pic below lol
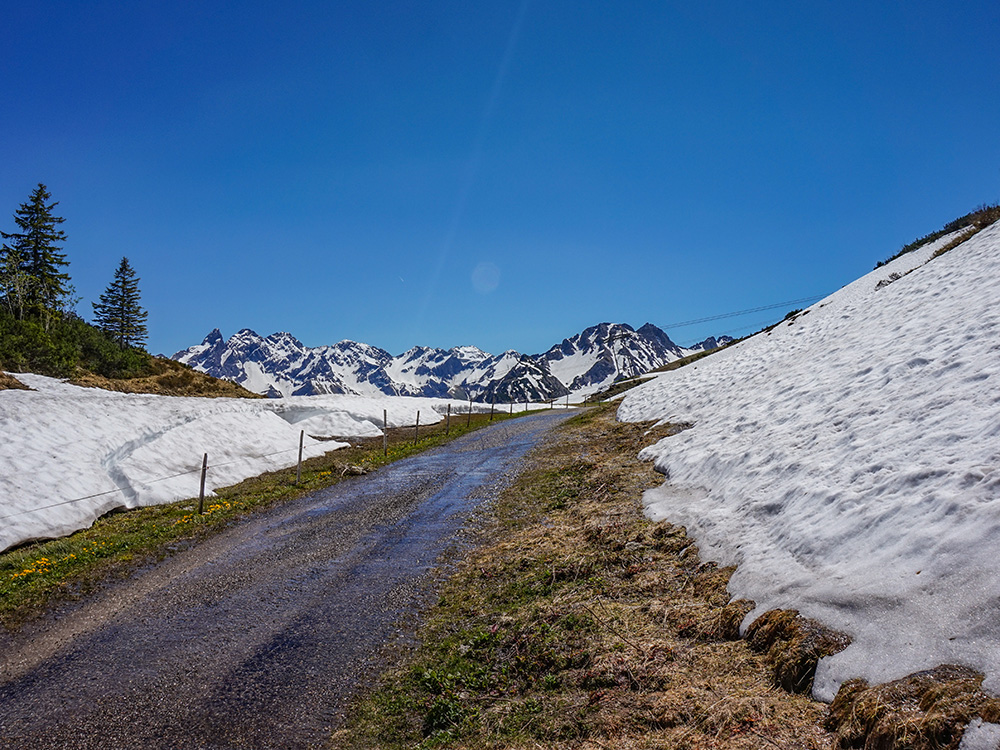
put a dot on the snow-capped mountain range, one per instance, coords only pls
(281, 365)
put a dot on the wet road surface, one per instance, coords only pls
(258, 637)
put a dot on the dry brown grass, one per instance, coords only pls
(168, 378)
(924, 711)
(9, 382)
(983, 217)
(583, 625)
(580, 624)
(794, 645)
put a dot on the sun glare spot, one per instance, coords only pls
(485, 277)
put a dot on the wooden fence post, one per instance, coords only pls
(385, 433)
(416, 430)
(201, 493)
(492, 404)
(447, 424)
(298, 471)
(468, 420)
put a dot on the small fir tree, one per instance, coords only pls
(37, 255)
(118, 313)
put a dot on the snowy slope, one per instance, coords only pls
(433, 372)
(601, 354)
(854, 473)
(512, 378)
(71, 454)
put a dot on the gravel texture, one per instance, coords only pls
(259, 636)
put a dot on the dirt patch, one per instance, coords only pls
(579, 623)
(9, 382)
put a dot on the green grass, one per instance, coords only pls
(36, 575)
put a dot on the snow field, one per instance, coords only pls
(849, 462)
(71, 454)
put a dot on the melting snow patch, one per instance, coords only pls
(981, 736)
(849, 461)
(71, 454)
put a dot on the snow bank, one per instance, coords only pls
(980, 736)
(849, 461)
(71, 454)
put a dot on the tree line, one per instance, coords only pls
(40, 330)
(34, 283)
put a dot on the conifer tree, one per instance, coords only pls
(36, 254)
(118, 313)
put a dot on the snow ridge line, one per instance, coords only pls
(112, 463)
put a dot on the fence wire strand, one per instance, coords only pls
(145, 482)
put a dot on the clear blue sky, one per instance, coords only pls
(342, 169)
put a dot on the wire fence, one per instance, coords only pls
(122, 490)
(156, 480)
(742, 331)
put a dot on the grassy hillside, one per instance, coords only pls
(974, 221)
(167, 378)
(62, 347)
(69, 347)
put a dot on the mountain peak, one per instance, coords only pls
(469, 352)
(588, 361)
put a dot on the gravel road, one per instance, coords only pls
(258, 637)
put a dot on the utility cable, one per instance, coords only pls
(742, 312)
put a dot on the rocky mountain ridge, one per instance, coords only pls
(281, 365)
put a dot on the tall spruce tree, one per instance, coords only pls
(38, 257)
(118, 313)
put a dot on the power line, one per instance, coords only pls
(739, 332)
(743, 312)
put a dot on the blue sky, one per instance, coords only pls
(502, 174)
